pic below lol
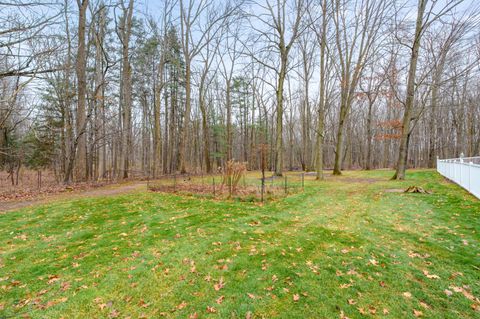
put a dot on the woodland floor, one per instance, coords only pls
(103, 191)
(350, 246)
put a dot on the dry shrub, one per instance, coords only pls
(232, 174)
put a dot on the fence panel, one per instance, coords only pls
(464, 171)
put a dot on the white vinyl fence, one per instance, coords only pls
(464, 171)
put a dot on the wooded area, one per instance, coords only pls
(97, 89)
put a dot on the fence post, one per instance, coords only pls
(286, 191)
(469, 176)
(213, 183)
(174, 183)
(39, 179)
(263, 187)
(303, 182)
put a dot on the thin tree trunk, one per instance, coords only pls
(99, 98)
(279, 122)
(186, 121)
(368, 161)
(127, 92)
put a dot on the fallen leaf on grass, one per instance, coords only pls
(22, 237)
(42, 292)
(407, 294)
(65, 286)
(211, 309)
(417, 313)
(424, 305)
(54, 302)
(114, 313)
(430, 276)
(182, 305)
(296, 297)
(52, 279)
(465, 290)
(455, 275)
(219, 285)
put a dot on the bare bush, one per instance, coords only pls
(232, 174)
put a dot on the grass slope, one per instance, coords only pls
(343, 248)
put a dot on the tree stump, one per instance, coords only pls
(417, 189)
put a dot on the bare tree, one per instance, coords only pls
(124, 33)
(204, 18)
(425, 18)
(321, 36)
(357, 30)
(81, 149)
(286, 31)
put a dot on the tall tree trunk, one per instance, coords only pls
(337, 168)
(205, 130)
(409, 102)
(321, 102)
(279, 122)
(81, 148)
(229, 120)
(68, 125)
(99, 95)
(368, 160)
(166, 136)
(157, 142)
(127, 92)
(186, 121)
(432, 127)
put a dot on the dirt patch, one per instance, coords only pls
(394, 190)
(203, 189)
(110, 190)
(329, 175)
(362, 180)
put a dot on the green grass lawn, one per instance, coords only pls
(344, 248)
